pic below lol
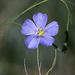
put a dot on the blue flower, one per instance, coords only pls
(38, 31)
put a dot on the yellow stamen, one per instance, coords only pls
(41, 32)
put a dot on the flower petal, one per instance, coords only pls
(32, 41)
(52, 28)
(40, 20)
(28, 28)
(47, 40)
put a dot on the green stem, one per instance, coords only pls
(29, 9)
(70, 2)
(69, 14)
(67, 23)
(53, 64)
(17, 16)
(4, 24)
(16, 23)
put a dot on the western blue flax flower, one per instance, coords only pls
(38, 31)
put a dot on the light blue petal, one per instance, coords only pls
(28, 28)
(52, 28)
(32, 41)
(47, 40)
(40, 20)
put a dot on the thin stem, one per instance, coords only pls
(39, 66)
(29, 9)
(67, 23)
(53, 64)
(70, 2)
(17, 16)
(16, 23)
(25, 67)
(4, 24)
(69, 14)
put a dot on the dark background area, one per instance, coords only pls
(13, 49)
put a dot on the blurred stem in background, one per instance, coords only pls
(69, 20)
(25, 67)
(53, 64)
(70, 2)
(16, 23)
(69, 14)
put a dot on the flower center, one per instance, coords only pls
(40, 33)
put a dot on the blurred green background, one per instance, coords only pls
(13, 49)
